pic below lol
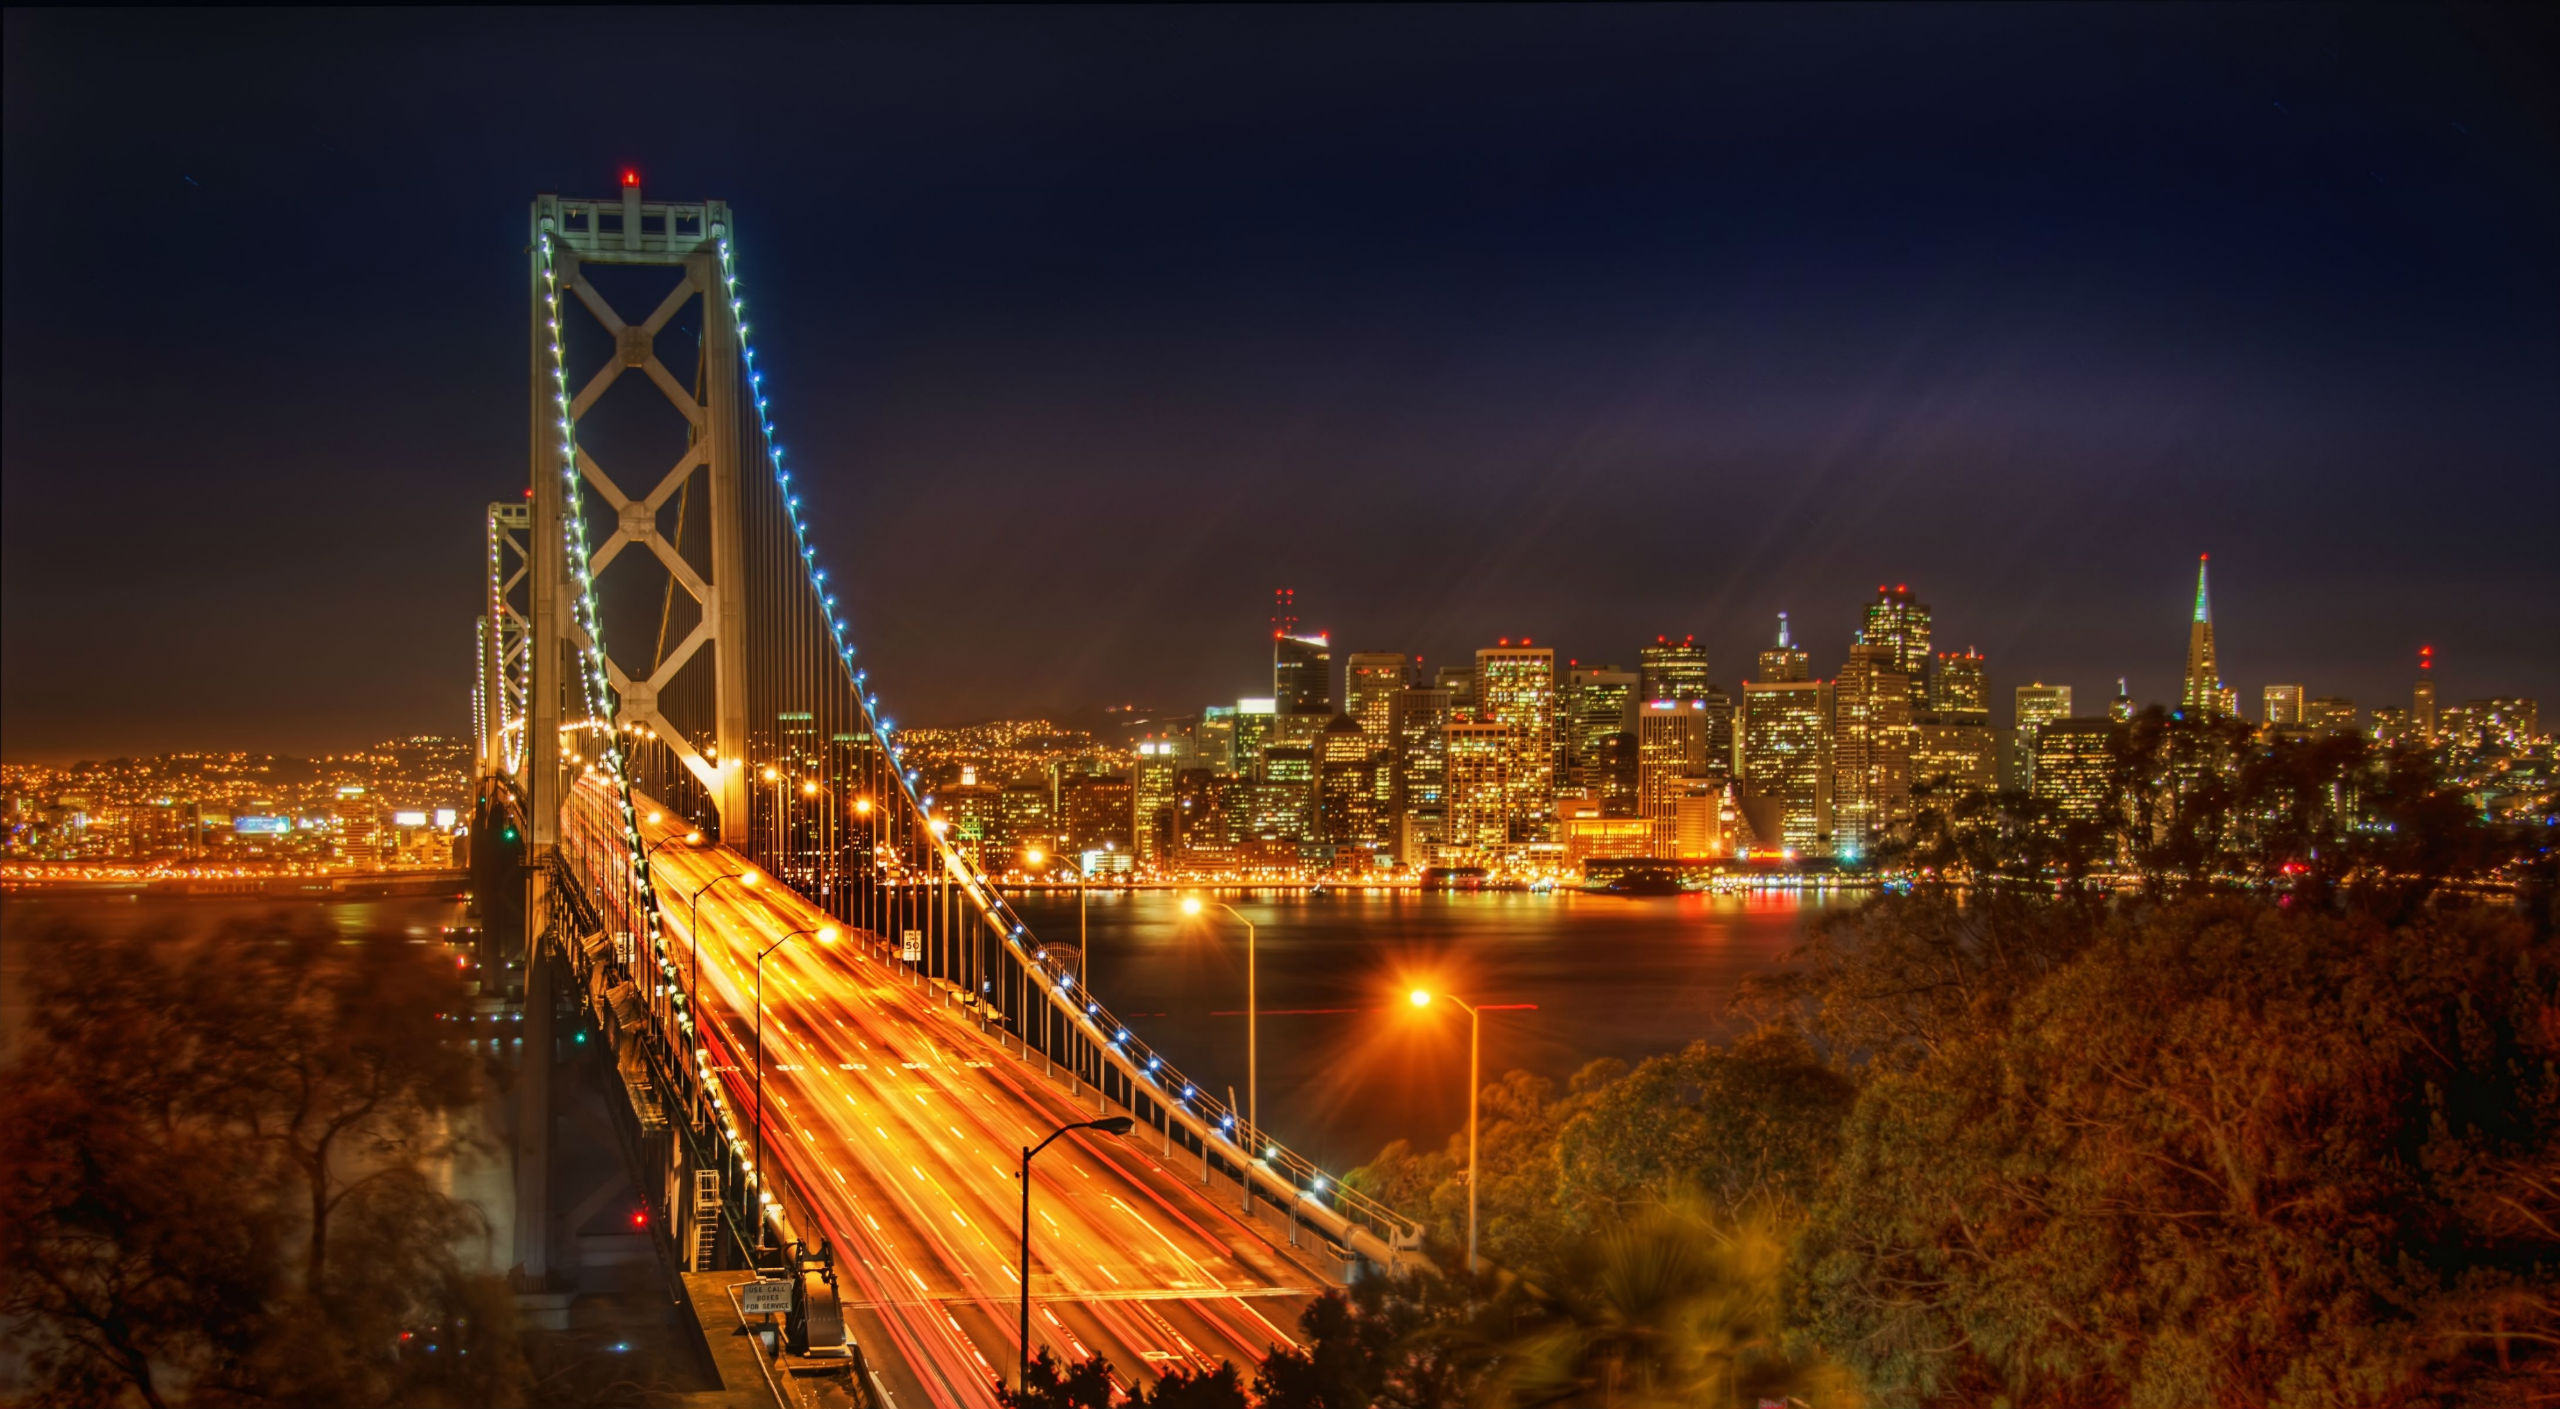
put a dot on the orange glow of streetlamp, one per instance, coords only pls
(809, 789)
(1421, 998)
(862, 805)
(770, 775)
(1190, 905)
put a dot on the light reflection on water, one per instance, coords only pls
(1612, 977)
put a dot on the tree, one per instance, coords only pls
(1750, 1126)
(2228, 1154)
(189, 1123)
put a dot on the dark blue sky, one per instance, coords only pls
(1089, 328)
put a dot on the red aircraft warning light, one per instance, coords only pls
(630, 176)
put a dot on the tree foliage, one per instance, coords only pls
(213, 1150)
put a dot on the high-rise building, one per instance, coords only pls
(1347, 786)
(1901, 625)
(1784, 663)
(2422, 698)
(1154, 803)
(1871, 745)
(1417, 763)
(2120, 709)
(1213, 741)
(2072, 762)
(1301, 674)
(1703, 820)
(1599, 707)
(1252, 734)
(1028, 811)
(1671, 743)
(1724, 741)
(1674, 670)
(1477, 791)
(1961, 684)
(1460, 682)
(1516, 687)
(2329, 714)
(2037, 705)
(1370, 679)
(2391, 727)
(1786, 763)
(1952, 748)
(2201, 696)
(2283, 705)
(1097, 812)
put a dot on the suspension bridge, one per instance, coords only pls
(834, 1033)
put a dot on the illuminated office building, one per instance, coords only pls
(1253, 731)
(1516, 688)
(1301, 675)
(1097, 812)
(1671, 744)
(1153, 825)
(1901, 625)
(1417, 762)
(1600, 707)
(1961, 684)
(1477, 790)
(1871, 745)
(1214, 740)
(2073, 760)
(1674, 670)
(1460, 682)
(1724, 740)
(2391, 727)
(2201, 695)
(1786, 763)
(1369, 680)
(1703, 820)
(2120, 709)
(2283, 706)
(1784, 663)
(2037, 705)
(2329, 714)
(1347, 813)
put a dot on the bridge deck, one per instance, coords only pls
(902, 1125)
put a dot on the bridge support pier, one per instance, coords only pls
(533, 1095)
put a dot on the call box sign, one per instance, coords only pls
(764, 1298)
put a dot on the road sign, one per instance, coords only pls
(760, 1297)
(911, 945)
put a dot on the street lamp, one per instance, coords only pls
(826, 935)
(1034, 857)
(1252, 1030)
(693, 934)
(1108, 1125)
(1475, 1092)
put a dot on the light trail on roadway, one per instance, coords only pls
(899, 1126)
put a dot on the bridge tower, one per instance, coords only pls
(644, 464)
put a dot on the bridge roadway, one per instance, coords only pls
(902, 1125)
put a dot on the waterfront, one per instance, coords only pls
(1347, 1063)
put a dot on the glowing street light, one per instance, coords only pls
(1475, 1089)
(826, 935)
(1191, 905)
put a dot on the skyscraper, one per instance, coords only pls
(1370, 679)
(1962, 683)
(1346, 786)
(1897, 622)
(2037, 705)
(1416, 763)
(2073, 758)
(1460, 682)
(2201, 694)
(1674, 670)
(1783, 662)
(1152, 797)
(1599, 708)
(1516, 687)
(1871, 739)
(1476, 824)
(1671, 742)
(1301, 674)
(1786, 762)
(2283, 705)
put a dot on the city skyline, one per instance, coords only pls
(1588, 328)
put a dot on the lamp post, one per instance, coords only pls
(1108, 1125)
(650, 852)
(826, 935)
(1252, 1027)
(1475, 1096)
(693, 934)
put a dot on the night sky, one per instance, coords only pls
(1087, 329)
